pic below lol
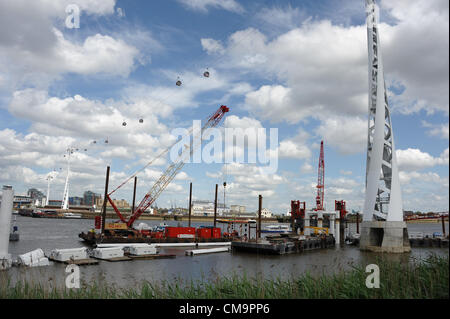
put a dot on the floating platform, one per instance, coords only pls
(193, 252)
(113, 259)
(429, 242)
(79, 262)
(284, 244)
(417, 242)
(149, 257)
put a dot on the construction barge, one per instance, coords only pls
(284, 244)
(93, 239)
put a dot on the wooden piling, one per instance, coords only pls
(357, 223)
(443, 225)
(190, 204)
(105, 200)
(215, 207)
(259, 217)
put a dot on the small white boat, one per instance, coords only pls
(276, 229)
(72, 215)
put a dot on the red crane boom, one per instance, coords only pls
(170, 172)
(320, 180)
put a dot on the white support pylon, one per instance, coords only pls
(383, 228)
(50, 177)
(383, 200)
(65, 202)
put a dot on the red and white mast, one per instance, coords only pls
(320, 180)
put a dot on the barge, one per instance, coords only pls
(284, 244)
(169, 235)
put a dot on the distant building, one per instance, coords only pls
(120, 203)
(90, 198)
(37, 196)
(55, 202)
(75, 201)
(265, 213)
(237, 209)
(22, 200)
(206, 208)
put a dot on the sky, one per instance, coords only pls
(297, 66)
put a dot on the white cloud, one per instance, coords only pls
(37, 49)
(319, 69)
(295, 147)
(347, 134)
(203, 5)
(97, 54)
(233, 121)
(281, 18)
(415, 52)
(439, 130)
(307, 168)
(212, 46)
(413, 159)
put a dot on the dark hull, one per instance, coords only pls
(93, 239)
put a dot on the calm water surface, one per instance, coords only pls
(49, 234)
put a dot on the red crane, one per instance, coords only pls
(320, 180)
(169, 174)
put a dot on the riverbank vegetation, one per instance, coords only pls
(421, 279)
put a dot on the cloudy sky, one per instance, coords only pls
(299, 66)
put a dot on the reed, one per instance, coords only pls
(421, 279)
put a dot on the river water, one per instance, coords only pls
(49, 234)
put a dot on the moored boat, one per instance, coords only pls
(276, 229)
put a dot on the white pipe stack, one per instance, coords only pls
(5, 225)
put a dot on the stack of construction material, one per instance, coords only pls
(34, 258)
(107, 253)
(69, 254)
(140, 250)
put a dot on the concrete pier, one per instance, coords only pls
(384, 236)
(5, 226)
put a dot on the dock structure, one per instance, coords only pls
(78, 262)
(193, 252)
(284, 244)
(153, 256)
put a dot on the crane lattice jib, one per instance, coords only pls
(174, 168)
(321, 180)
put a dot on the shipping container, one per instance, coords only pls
(180, 232)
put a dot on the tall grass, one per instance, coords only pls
(422, 279)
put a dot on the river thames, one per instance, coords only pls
(49, 234)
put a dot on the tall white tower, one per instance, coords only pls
(65, 202)
(383, 228)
